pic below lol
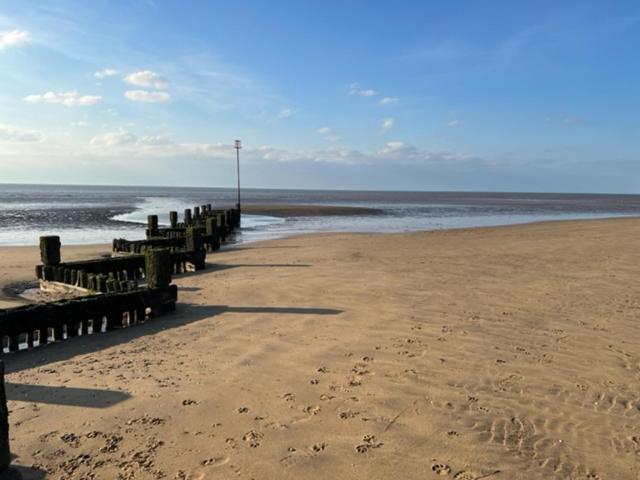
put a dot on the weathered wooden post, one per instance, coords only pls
(50, 250)
(5, 455)
(152, 225)
(187, 217)
(196, 215)
(193, 240)
(158, 267)
(173, 219)
(212, 231)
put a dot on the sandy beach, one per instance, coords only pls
(498, 353)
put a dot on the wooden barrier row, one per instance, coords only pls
(114, 274)
(32, 325)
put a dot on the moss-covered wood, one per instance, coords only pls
(50, 249)
(158, 267)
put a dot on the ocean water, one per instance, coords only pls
(90, 214)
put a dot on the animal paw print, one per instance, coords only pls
(253, 438)
(370, 441)
(441, 469)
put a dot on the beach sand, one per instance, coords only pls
(499, 353)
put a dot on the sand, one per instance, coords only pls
(499, 353)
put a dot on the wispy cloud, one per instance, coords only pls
(354, 89)
(285, 113)
(144, 96)
(328, 134)
(106, 72)
(146, 78)
(453, 123)
(68, 99)
(13, 38)
(9, 133)
(388, 100)
(387, 124)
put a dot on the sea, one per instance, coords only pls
(97, 214)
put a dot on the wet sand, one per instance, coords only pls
(307, 210)
(499, 353)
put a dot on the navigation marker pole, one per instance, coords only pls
(238, 146)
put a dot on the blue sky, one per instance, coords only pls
(512, 96)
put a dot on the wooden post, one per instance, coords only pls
(173, 219)
(187, 217)
(193, 241)
(211, 226)
(158, 267)
(196, 215)
(212, 230)
(50, 250)
(152, 225)
(5, 455)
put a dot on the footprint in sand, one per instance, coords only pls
(465, 475)
(298, 457)
(253, 438)
(441, 469)
(370, 441)
(214, 461)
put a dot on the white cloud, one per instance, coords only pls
(9, 133)
(453, 123)
(68, 99)
(114, 139)
(146, 78)
(387, 123)
(355, 90)
(105, 72)
(13, 38)
(80, 123)
(404, 153)
(388, 100)
(328, 134)
(145, 96)
(285, 113)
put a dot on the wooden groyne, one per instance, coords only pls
(212, 226)
(116, 274)
(29, 326)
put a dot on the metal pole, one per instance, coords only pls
(238, 168)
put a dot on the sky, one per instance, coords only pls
(425, 95)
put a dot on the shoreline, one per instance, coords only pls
(303, 210)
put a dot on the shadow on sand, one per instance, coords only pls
(186, 314)
(62, 395)
(19, 472)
